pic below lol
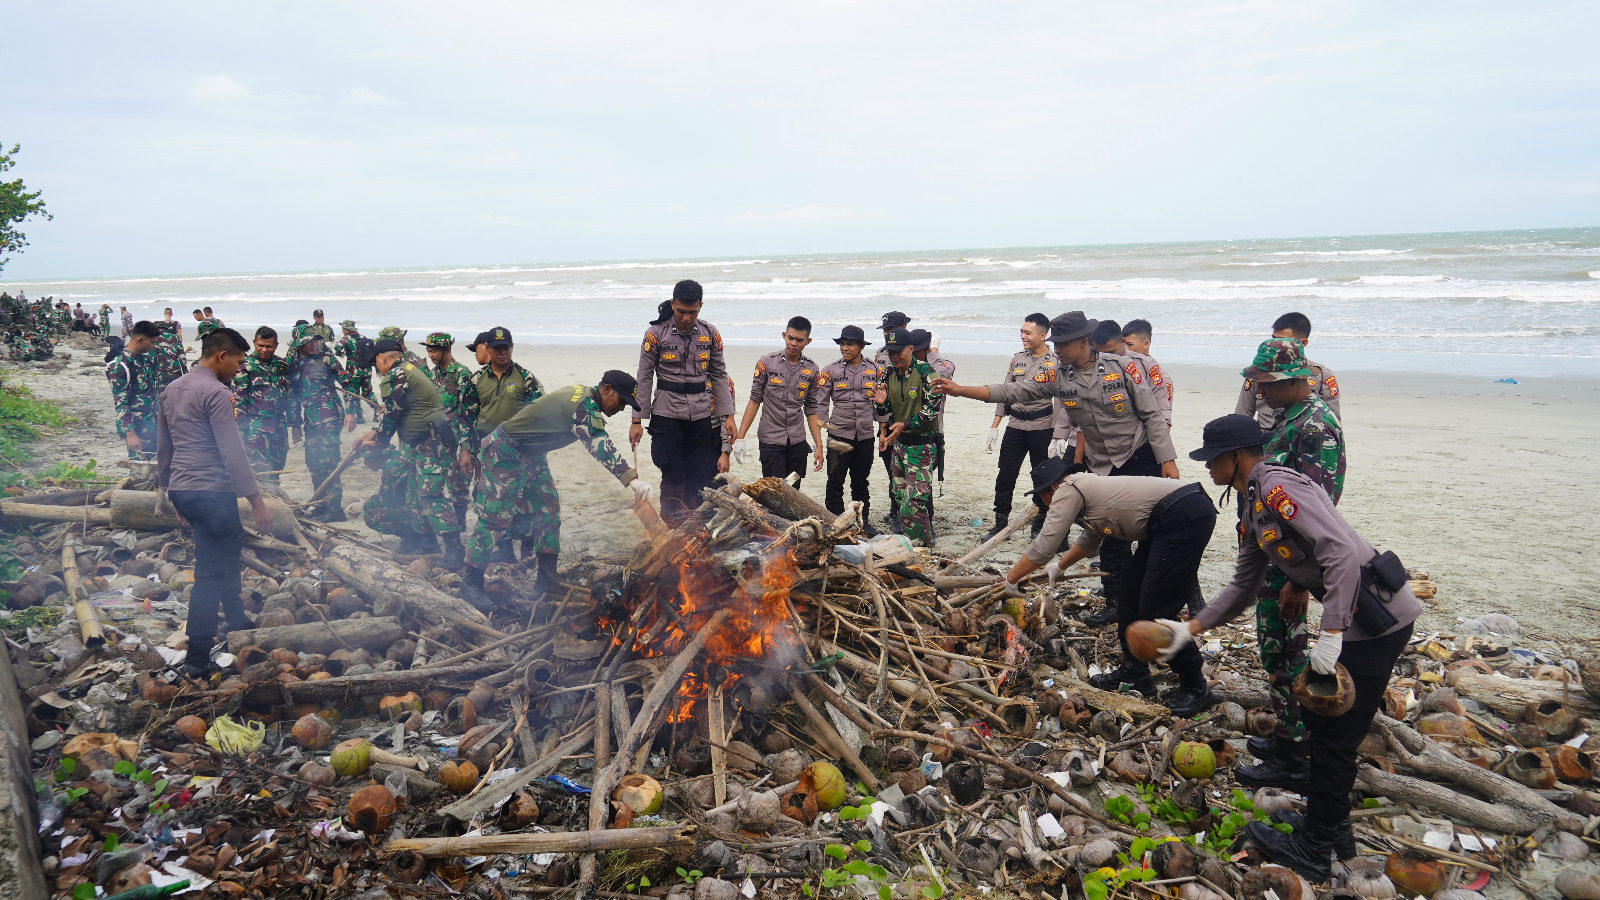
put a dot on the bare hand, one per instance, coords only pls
(134, 443)
(1293, 601)
(349, 422)
(261, 516)
(732, 429)
(1169, 469)
(635, 434)
(946, 386)
(722, 464)
(295, 434)
(880, 394)
(817, 460)
(464, 460)
(890, 435)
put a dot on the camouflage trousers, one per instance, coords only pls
(359, 382)
(411, 494)
(266, 444)
(460, 485)
(144, 425)
(514, 488)
(911, 487)
(1283, 644)
(323, 452)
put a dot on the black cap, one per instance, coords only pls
(623, 384)
(316, 312)
(688, 292)
(895, 319)
(497, 337)
(1233, 432)
(921, 339)
(663, 312)
(1071, 326)
(387, 345)
(897, 338)
(852, 333)
(113, 347)
(483, 337)
(1107, 330)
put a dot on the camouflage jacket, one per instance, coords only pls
(314, 387)
(261, 389)
(459, 397)
(1308, 439)
(910, 399)
(568, 415)
(345, 349)
(133, 389)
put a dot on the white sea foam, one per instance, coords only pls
(1338, 252)
(1401, 279)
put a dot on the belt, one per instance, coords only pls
(1027, 416)
(1166, 503)
(917, 440)
(682, 387)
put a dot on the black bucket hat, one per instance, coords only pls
(921, 339)
(852, 333)
(1234, 432)
(895, 319)
(1071, 326)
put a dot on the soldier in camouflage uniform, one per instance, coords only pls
(905, 397)
(261, 402)
(513, 469)
(105, 320)
(1306, 437)
(129, 369)
(205, 327)
(501, 389)
(317, 407)
(411, 501)
(398, 335)
(357, 377)
(460, 398)
(169, 351)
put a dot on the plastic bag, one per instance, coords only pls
(1492, 623)
(231, 737)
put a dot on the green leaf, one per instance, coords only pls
(1284, 827)
(862, 846)
(806, 889)
(856, 867)
(884, 893)
(110, 844)
(682, 872)
(862, 789)
(1095, 890)
(142, 776)
(877, 873)
(933, 891)
(837, 851)
(1370, 803)
(848, 813)
(83, 891)
(68, 765)
(124, 768)
(159, 788)
(644, 881)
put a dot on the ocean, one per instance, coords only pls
(1492, 304)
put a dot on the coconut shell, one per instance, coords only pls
(1415, 872)
(371, 809)
(274, 618)
(1261, 723)
(1533, 768)
(1129, 767)
(1326, 695)
(1554, 717)
(458, 776)
(1573, 764)
(1147, 639)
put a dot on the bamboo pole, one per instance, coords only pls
(88, 620)
(983, 548)
(343, 464)
(668, 836)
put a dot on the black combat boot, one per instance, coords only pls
(427, 543)
(471, 589)
(527, 548)
(329, 512)
(1037, 526)
(933, 533)
(1000, 523)
(866, 521)
(545, 582)
(1196, 605)
(1344, 839)
(1135, 675)
(197, 662)
(1307, 850)
(1288, 769)
(1262, 748)
(1100, 618)
(503, 553)
(1190, 700)
(892, 520)
(455, 556)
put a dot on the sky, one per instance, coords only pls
(202, 137)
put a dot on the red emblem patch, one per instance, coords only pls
(1133, 372)
(1278, 499)
(1155, 376)
(1046, 376)
(1333, 386)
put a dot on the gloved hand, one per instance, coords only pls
(1325, 652)
(994, 438)
(1013, 589)
(1058, 448)
(738, 451)
(641, 490)
(1053, 571)
(1180, 637)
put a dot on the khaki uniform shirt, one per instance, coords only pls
(1104, 506)
(1110, 402)
(1323, 384)
(693, 358)
(850, 388)
(1025, 366)
(787, 392)
(1160, 384)
(1288, 521)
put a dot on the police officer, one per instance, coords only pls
(1107, 338)
(1288, 520)
(316, 409)
(459, 395)
(681, 358)
(129, 369)
(910, 410)
(784, 390)
(1027, 435)
(1120, 426)
(1308, 439)
(894, 319)
(1172, 523)
(848, 384)
(261, 401)
(1136, 337)
(1295, 326)
(411, 501)
(513, 455)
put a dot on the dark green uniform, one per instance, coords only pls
(495, 399)
(105, 320)
(454, 382)
(169, 347)
(514, 480)
(133, 393)
(357, 377)
(411, 496)
(261, 403)
(318, 406)
(914, 453)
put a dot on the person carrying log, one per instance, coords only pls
(202, 469)
(514, 468)
(411, 501)
(1172, 523)
(316, 409)
(1288, 520)
(131, 371)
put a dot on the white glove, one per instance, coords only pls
(1325, 652)
(994, 437)
(1180, 636)
(1013, 589)
(1058, 448)
(738, 451)
(641, 490)
(1053, 572)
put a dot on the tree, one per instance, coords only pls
(17, 204)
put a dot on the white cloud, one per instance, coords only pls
(810, 214)
(361, 95)
(500, 220)
(217, 89)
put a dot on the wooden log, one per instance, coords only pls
(464, 809)
(137, 510)
(59, 498)
(829, 734)
(862, 666)
(41, 512)
(807, 549)
(88, 620)
(1510, 696)
(1068, 682)
(339, 470)
(322, 637)
(375, 683)
(782, 498)
(394, 591)
(665, 837)
(979, 551)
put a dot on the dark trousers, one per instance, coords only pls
(888, 474)
(857, 463)
(686, 451)
(1164, 573)
(214, 516)
(1116, 554)
(1334, 739)
(783, 460)
(1015, 446)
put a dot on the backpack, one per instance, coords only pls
(366, 352)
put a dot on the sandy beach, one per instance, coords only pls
(1453, 474)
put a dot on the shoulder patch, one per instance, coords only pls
(1133, 372)
(1332, 385)
(1046, 377)
(761, 368)
(1279, 500)
(1155, 375)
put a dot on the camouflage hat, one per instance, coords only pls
(392, 333)
(1278, 359)
(440, 339)
(205, 327)
(348, 323)
(303, 335)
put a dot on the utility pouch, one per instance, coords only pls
(1381, 577)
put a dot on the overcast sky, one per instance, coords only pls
(208, 137)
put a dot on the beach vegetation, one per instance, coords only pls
(17, 205)
(23, 419)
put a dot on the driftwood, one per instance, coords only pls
(385, 682)
(137, 510)
(322, 637)
(466, 808)
(88, 620)
(807, 549)
(780, 497)
(665, 837)
(1510, 808)
(59, 498)
(394, 591)
(830, 735)
(1066, 681)
(1510, 696)
(979, 551)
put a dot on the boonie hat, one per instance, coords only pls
(1071, 326)
(440, 339)
(895, 319)
(497, 337)
(306, 336)
(896, 338)
(921, 339)
(852, 333)
(1278, 359)
(623, 384)
(1234, 432)
(392, 333)
(1052, 470)
(348, 323)
(317, 313)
